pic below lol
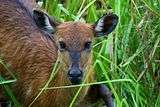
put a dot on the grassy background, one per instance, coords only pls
(131, 52)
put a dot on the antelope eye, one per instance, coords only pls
(87, 45)
(62, 45)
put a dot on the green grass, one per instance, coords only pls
(131, 52)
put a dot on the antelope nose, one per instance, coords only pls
(75, 75)
(74, 72)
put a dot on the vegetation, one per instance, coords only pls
(131, 52)
(129, 58)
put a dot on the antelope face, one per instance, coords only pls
(74, 41)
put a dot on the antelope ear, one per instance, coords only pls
(44, 21)
(106, 24)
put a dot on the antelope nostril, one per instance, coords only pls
(75, 73)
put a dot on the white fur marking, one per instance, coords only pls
(100, 25)
(48, 25)
(29, 91)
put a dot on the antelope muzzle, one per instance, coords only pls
(75, 74)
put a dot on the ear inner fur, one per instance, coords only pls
(106, 24)
(44, 21)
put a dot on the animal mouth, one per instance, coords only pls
(75, 80)
(75, 75)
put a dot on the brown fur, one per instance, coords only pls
(74, 34)
(30, 54)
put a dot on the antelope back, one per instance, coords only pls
(28, 51)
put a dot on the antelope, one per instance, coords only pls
(31, 42)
